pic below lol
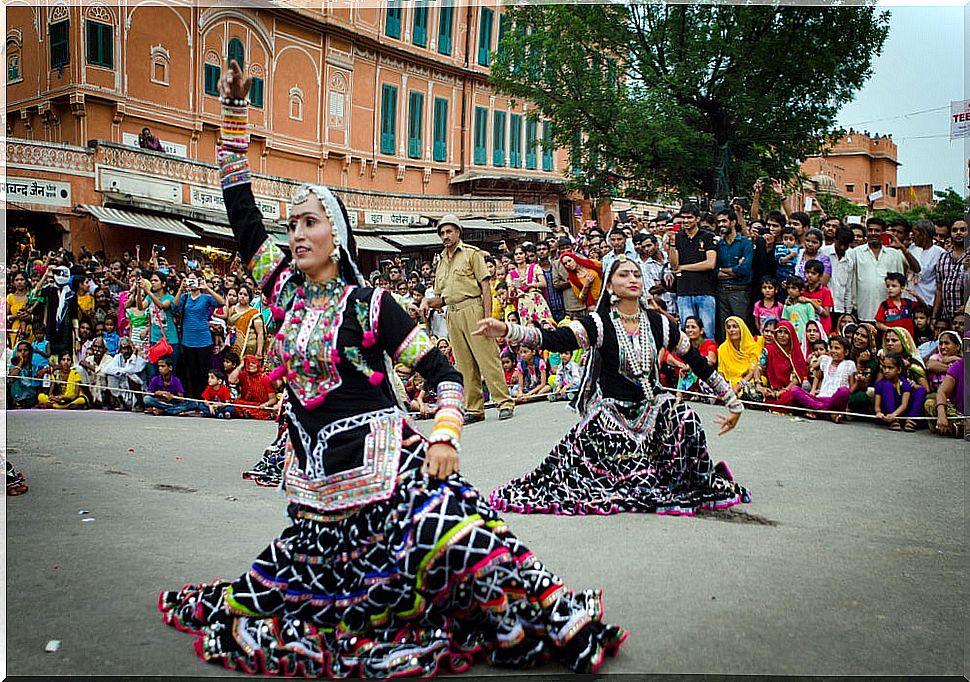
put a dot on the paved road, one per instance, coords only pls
(851, 558)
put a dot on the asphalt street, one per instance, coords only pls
(850, 559)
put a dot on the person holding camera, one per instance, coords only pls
(149, 141)
(196, 302)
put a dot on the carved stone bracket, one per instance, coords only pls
(28, 119)
(401, 170)
(77, 104)
(363, 166)
(120, 112)
(427, 175)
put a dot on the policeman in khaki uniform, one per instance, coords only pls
(462, 283)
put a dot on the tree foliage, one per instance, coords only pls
(949, 206)
(689, 98)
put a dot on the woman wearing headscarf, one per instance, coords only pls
(585, 277)
(865, 354)
(784, 365)
(899, 340)
(635, 448)
(738, 357)
(257, 396)
(393, 564)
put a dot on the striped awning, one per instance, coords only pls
(140, 221)
(366, 242)
(414, 240)
(481, 224)
(212, 229)
(527, 227)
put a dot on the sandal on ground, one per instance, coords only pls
(837, 418)
(810, 415)
(894, 426)
(909, 426)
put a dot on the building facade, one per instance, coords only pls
(860, 165)
(388, 104)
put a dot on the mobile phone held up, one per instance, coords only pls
(886, 240)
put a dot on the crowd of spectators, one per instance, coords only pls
(863, 318)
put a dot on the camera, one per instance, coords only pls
(158, 248)
(191, 282)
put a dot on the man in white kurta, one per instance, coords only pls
(868, 264)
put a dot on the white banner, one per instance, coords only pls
(959, 119)
(389, 218)
(34, 191)
(213, 201)
(529, 210)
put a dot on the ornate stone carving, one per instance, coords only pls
(77, 104)
(427, 175)
(212, 57)
(57, 13)
(47, 156)
(364, 53)
(401, 170)
(100, 13)
(119, 115)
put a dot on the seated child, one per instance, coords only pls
(568, 378)
(532, 376)
(893, 393)
(166, 393)
(216, 392)
(511, 373)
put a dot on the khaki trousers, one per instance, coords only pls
(476, 357)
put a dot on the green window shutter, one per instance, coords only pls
(419, 34)
(212, 74)
(60, 44)
(515, 141)
(481, 136)
(577, 152)
(440, 146)
(100, 44)
(392, 23)
(503, 27)
(530, 143)
(445, 20)
(415, 124)
(388, 119)
(546, 146)
(485, 35)
(256, 93)
(238, 52)
(498, 139)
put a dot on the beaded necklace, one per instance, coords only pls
(636, 358)
(307, 341)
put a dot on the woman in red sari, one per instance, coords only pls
(585, 276)
(255, 389)
(783, 365)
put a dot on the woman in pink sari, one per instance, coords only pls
(527, 282)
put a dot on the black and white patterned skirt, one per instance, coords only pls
(426, 580)
(626, 458)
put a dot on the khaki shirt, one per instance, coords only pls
(459, 277)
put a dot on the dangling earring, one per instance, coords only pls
(335, 254)
(614, 299)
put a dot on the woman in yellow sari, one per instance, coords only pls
(248, 324)
(739, 355)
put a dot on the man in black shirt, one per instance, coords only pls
(693, 258)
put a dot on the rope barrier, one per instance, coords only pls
(799, 408)
(676, 392)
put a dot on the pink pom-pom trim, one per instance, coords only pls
(277, 373)
(299, 305)
(335, 356)
(295, 320)
(306, 366)
(277, 312)
(286, 356)
(280, 336)
(314, 403)
(369, 339)
(376, 378)
(291, 375)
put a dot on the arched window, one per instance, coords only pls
(237, 52)
(14, 74)
(296, 104)
(160, 60)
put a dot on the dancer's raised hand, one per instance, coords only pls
(232, 84)
(727, 422)
(492, 328)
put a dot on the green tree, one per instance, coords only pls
(949, 206)
(689, 98)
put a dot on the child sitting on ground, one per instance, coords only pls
(893, 392)
(532, 376)
(216, 392)
(166, 395)
(568, 378)
(511, 373)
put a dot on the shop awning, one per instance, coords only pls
(366, 242)
(212, 229)
(481, 224)
(140, 221)
(527, 227)
(414, 240)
